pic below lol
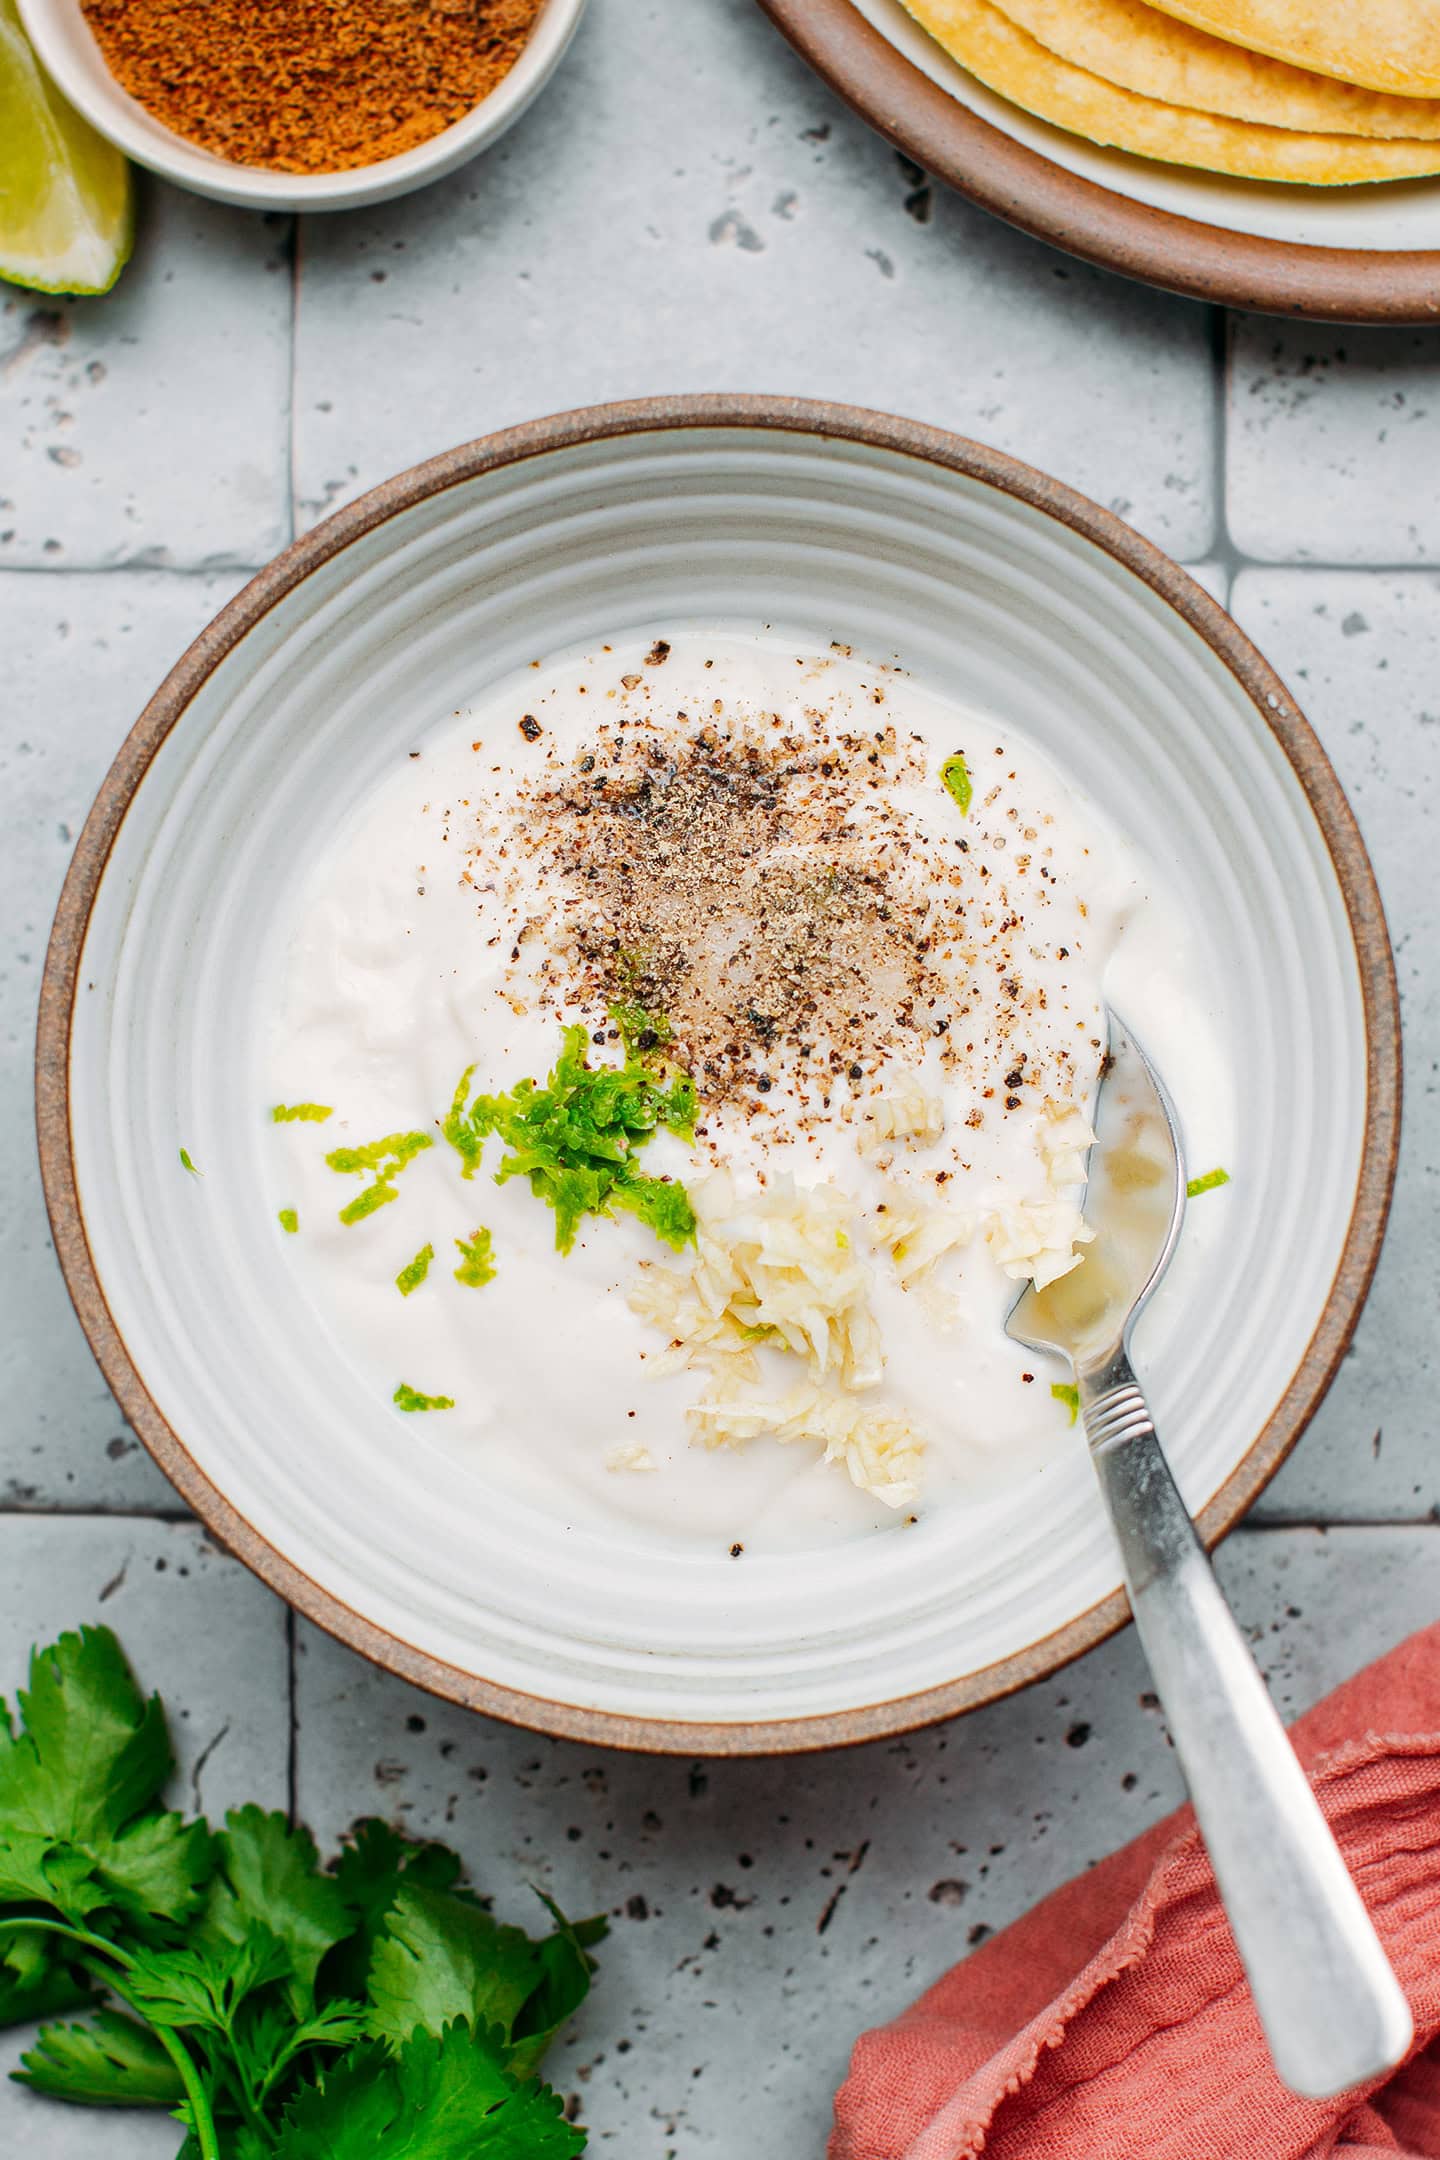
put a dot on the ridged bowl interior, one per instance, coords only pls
(385, 635)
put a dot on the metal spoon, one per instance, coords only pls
(1332, 2009)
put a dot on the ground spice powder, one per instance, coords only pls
(310, 85)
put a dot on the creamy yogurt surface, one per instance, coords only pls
(874, 928)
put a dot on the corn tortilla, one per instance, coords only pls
(1138, 48)
(1007, 59)
(1385, 44)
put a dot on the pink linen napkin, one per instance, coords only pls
(1113, 2021)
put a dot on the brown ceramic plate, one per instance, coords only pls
(1364, 255)
(389, 617)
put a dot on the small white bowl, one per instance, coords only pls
(69, 53)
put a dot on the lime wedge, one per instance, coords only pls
(66, 216)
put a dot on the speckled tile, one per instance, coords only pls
(1333, 443)
(1362, 653)
(152, 425)
(699, 213)
(763, 1913)
(200, 1629)
(81, 655)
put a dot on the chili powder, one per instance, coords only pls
(309, 86)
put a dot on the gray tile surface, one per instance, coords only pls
(1361, 649)
(153, 425)
(1332, 435)
(699, 213)
(678, 214)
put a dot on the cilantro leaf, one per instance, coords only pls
(92, 1755)
(445, 2098)
(204, 1986)
(35, 1979)
(575, 1138)
(268, 1876)
(374, 1862)
(565, 1970)
(108, 2062)
(1210, 1182)
(439, 1957)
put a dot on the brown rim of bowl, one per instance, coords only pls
(1028, 189)
(905, 438)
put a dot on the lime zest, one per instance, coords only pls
(1210, 1182)
(1065, 1391)
(477, 1266)
(467, 1141)
(288, 1220)
(186, 1163)
(303, 1113)
(386, 1159)
(955, 774)
(576, 1138)
(365, 1203)
(635, 1023)
(409, 1398)
(414, 1271)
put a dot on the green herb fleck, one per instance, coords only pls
(1064, 1391)
(304, 1113)
(459, 1129)
(186, 1163)
(956, 775)
(1211, 1180)
(225, 1976)
(386, 1159)
(575, 1138)
(414, 1271)
(476, 1265)
(409, 1398)
(365, 1203)
(289, 1220)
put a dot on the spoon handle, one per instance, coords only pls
(1332, 2009)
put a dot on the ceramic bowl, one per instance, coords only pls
(67, 49)
(274, 727)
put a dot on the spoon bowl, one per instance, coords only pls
(1134, 1204)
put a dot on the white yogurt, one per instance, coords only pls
(404, 969)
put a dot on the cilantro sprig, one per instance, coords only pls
(576, 1137)
(279, 2010)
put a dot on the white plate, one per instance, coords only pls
(1369, 253)
(898, 540)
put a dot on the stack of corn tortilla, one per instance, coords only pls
(1323, 92)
